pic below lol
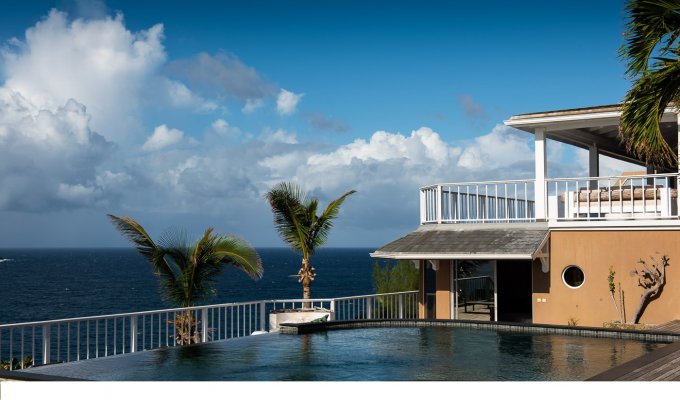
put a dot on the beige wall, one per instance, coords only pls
(594, 252)
(443, 302)
(443, 290)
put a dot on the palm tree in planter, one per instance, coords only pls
(297, 223)
(188, 271)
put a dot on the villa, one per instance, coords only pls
(549, 243)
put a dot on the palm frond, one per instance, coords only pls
(643, 108)
(238, 253)
(650, 23)
(287, 202)
(325, 222)
(653, 29)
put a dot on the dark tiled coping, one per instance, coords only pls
(20, 376)
(650, 336)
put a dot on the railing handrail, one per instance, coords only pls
(594, 178)
(192, 308)
(531, 180)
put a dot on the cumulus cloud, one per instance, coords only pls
(98, 63)
(499, 147)
(163, 137)
(222, 75)
(48, 159)
(287, 102)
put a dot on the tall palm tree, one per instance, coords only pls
(188, 271)
(653, 28)
(297, 224)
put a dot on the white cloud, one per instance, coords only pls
(98, 62)
(287, 102)
(280, 136)
(162, 137)
(252, 105)
(501, 146)
(48, 159)
(180, 96)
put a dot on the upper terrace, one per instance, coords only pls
(646, 197)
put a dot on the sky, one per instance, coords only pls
(184, 114)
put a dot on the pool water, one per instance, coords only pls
(377, 354)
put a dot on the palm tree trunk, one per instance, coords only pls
(306, 278)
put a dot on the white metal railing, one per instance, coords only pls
(639, 197)
(478, 202)
(28, 344)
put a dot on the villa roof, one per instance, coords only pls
(584, 127)
(467, 241)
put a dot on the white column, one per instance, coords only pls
(541, 168)
(593, 164)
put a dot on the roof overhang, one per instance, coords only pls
(584, 127)
(468, 242)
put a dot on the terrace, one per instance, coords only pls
(614, 200)
(647, 198)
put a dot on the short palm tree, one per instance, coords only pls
(188, 271)
(297, 223)
(652, 31)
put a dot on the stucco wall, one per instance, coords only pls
(594, 252)
(443, 310)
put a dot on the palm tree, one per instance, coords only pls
(188, 271)
(653, 28)
(297, 224)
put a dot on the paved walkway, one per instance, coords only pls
(659, 365)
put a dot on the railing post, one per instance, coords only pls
(133, 334)
(369, 308)
(423, 206)
(204, 325)
(333, 309)
(401, 306)
(438, 204)
(263, 320)
(46, 343)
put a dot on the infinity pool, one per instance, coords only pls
(383, 354)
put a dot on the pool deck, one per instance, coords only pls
(660, 365)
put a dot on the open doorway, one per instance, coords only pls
(514, 290)
(473, 285)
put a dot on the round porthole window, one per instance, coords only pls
(573, 276)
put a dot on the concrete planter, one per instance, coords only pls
(297, 316)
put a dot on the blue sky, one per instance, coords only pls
(185, 114)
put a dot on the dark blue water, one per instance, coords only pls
(385, 354)
(41, 284)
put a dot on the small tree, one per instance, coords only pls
(399, 277)
(652, 279)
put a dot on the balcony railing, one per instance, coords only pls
(28, 344)
(632, 197)
(478, 202)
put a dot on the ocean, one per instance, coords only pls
(42, 284)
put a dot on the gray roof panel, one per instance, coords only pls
(437, 241)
